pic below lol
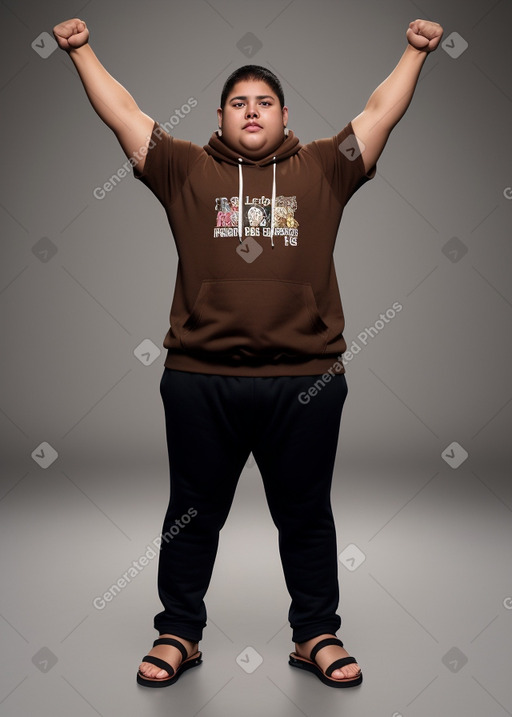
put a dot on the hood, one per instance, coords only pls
(218, 149)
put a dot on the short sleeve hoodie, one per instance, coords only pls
(256, 292)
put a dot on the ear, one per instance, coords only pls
(285, 116)
(219, 117)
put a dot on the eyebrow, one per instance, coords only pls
(258, 97)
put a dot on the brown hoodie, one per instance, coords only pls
(256, 292)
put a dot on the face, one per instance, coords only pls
(255, 216)
(252, 121)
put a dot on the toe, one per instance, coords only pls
(346, 673)
(152, 672)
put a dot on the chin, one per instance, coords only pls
(254, 149)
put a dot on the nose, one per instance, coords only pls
(251, 112)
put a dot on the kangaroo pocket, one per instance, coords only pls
(255, 318)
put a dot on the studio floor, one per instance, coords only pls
(425, 599)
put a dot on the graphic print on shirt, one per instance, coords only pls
(257, 218)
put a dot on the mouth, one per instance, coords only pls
(252, 127)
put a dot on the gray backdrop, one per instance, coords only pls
(422, 492)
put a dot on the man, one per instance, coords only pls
(256, 321)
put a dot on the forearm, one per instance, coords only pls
(108, 97)
(390, 100)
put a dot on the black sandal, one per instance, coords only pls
(312, 666)
(174, 675)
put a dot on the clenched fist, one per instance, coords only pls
(424, 35)
(71, 34)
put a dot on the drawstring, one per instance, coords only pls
(240, 194)
(240, 197)
(273, 201)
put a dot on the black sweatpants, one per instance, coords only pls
(213, 422)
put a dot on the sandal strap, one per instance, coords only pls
(162, 664)
(339, 663)
(324, 643)
(175, 643)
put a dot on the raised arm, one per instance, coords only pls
(111, 101)
(388, 103)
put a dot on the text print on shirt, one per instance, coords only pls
(257, 218)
